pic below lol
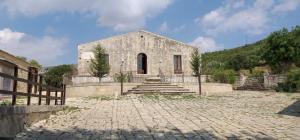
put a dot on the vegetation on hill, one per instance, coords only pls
(280, 52)
(279, 47)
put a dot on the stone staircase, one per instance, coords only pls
(154, 85)
(253, 83)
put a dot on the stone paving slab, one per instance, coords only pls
(242, 115)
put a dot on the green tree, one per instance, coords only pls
(22, 57)
(54, 76)
(196, 66)
(99, 65)
(282, 50)
(121, 77)
(35, 63)
(239, 62)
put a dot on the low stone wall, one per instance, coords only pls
(97, 89)
(13, 119)
(78, 80)
(113, 89)
(209, 88)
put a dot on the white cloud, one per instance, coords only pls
(286, 6)
(206, 44)
(164, 27)
(180, 28)
(234, 16)
(121, 15)
(46, 50)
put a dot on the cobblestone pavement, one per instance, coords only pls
(242, 115)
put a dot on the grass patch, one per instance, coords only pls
(5, 103)
(101, 98)
(71, 109)
(171, 97)
(151, 96)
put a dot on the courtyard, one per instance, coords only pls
(237, 115)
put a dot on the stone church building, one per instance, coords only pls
(142, 54)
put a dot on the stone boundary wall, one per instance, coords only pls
(265, 82)
(79, 80)
(13, 119)
(113, 89)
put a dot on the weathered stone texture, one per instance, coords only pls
(159, 50)
(243, 115)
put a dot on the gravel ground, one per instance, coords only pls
(241, 115)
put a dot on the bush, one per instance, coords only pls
(224, 76)
(256, 73)
(292, 83)
(54, 76)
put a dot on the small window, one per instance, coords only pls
(177, 64)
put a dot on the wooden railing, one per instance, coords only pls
(35, 87)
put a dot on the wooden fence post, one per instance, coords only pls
(48, 96)
(64, 98)
(61, 95)
(40, 89)
(29, 85)
(15, 86)
(55, 96)
(36, 74)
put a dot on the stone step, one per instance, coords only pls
(161, 92)
(158, 86)
(154, 79)
(163, 89)
(154, 85)
(163, 83)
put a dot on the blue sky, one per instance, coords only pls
(50, 30)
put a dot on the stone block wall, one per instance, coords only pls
(159, 50)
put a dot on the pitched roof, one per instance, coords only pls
(141, 31)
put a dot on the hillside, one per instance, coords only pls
(244, 57)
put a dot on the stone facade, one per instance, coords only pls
(160, 53)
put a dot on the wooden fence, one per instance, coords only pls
(35, 87)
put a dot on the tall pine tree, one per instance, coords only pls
(196, 66)
(99, 65)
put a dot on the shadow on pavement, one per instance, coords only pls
(79, 133)
(292, 110)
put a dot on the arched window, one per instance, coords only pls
(142, 63)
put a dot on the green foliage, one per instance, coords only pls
(22, 57)
(244, 57)
(54, 76)
(279, 50)
(224, 76)
(239, 62)
(282, 49)
(196, 62)
(121, 77)
(101, 98)
(292, 83)
(5, 103)
(99, 65)
(35, 63)
(256, 73)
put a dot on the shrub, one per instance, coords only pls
(292, 83)
(257, 73)
(54, 76)
(225, 76)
